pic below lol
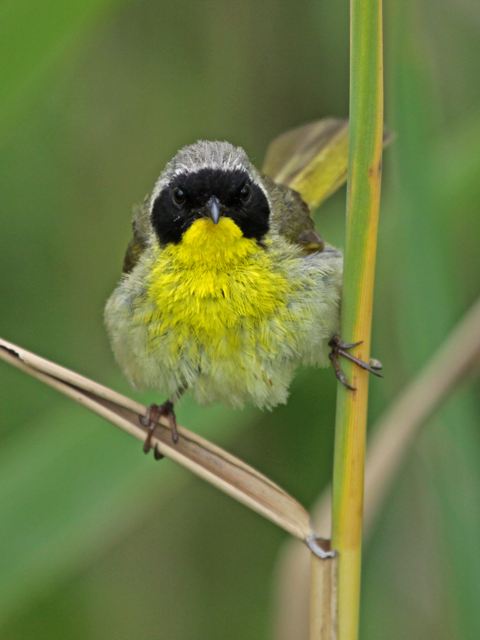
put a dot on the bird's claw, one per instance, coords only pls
(341, 349)
(150, 420)
(376, 365)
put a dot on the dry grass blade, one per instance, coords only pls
(311, 159)
(393, 436)
(216, 466)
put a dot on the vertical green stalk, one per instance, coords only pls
(363, 200)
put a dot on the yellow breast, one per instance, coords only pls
(211, 287)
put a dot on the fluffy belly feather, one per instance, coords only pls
(223, 316)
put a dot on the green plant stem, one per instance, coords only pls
(363, 200)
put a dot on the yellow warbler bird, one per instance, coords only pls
(227, 288)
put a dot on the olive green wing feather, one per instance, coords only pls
(139, 240)
(291, 217)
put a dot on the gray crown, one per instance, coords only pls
(206, 154)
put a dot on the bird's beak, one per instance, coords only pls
(213, 208)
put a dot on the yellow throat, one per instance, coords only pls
(214, 281)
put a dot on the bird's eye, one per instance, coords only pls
(245, 193)
(178, 196)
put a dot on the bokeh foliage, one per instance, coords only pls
(96, 540)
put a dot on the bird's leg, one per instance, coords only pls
(341, 349)
(150, 420)
(341, 377)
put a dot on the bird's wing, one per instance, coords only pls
(139, 240)
(312, 159)
(291, 217)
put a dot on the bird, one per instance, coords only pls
(227, 288)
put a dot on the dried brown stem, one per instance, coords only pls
(213, 464)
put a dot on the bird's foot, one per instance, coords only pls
(342, 349)
(150, 420)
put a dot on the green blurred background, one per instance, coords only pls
(99, 542)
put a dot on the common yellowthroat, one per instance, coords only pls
(227, 288)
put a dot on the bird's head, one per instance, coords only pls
(209, 180)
